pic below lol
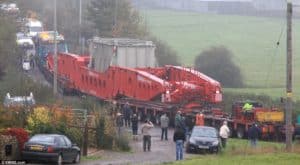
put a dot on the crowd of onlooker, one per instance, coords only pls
(182, 130)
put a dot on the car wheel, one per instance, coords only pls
(188, 150)
(59, 160)
(217, 150)
(77, 158)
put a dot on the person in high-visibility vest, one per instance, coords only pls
(247, 107)
(199, 119)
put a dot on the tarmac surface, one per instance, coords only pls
(161, 151)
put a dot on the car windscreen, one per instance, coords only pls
(27, 46)
(204, 132)
(36, 29)
(42, 139)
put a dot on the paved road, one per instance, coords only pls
(161, 152)
(36, 75)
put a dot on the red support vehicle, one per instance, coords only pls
(269, 120)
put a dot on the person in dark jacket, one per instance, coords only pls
(164, 123)
(253, 134)
(127, 114)
(134, 125)
(178, 120)
(179, 139)
(119, 122)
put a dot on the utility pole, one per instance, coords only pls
(85, 135)
(55, 53)
(80, 22)
(288, 122)
(114, 28)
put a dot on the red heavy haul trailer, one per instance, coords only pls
(125, 70)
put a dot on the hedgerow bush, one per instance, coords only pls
(39, 121)
(20, 133)
(13, 117)
(106, 131)
(54, 120)
(122, 143)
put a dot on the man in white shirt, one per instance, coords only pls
(224, 133)
(145, 128)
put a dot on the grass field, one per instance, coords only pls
(251, 39)
(264, 159)
(239, 152)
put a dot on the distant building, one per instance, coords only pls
(75, 3)
(227, 6)
(296, 4)
(215, 6)
(270, 5)
(18, 101)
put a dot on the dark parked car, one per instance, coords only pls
(50, 148)
(203, 139)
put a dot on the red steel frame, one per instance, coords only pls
(170, 84)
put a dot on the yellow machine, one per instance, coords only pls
(273, 116)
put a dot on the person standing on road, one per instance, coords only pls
(119, 123)
(32, 63)
(164, 123)
(134, 125)
(199, 119)
(145, 128)
(179, 139)
(253, 134)
(184, 126)
(179, 121)
(114, 109)
(127, 114)
(224, 134)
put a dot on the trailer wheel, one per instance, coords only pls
(240, 133)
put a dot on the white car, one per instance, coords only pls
(19, 34)
(33, 26)
(26, 43)
(10, 8)
(3, 6)
(23, 39)
(18, 101)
